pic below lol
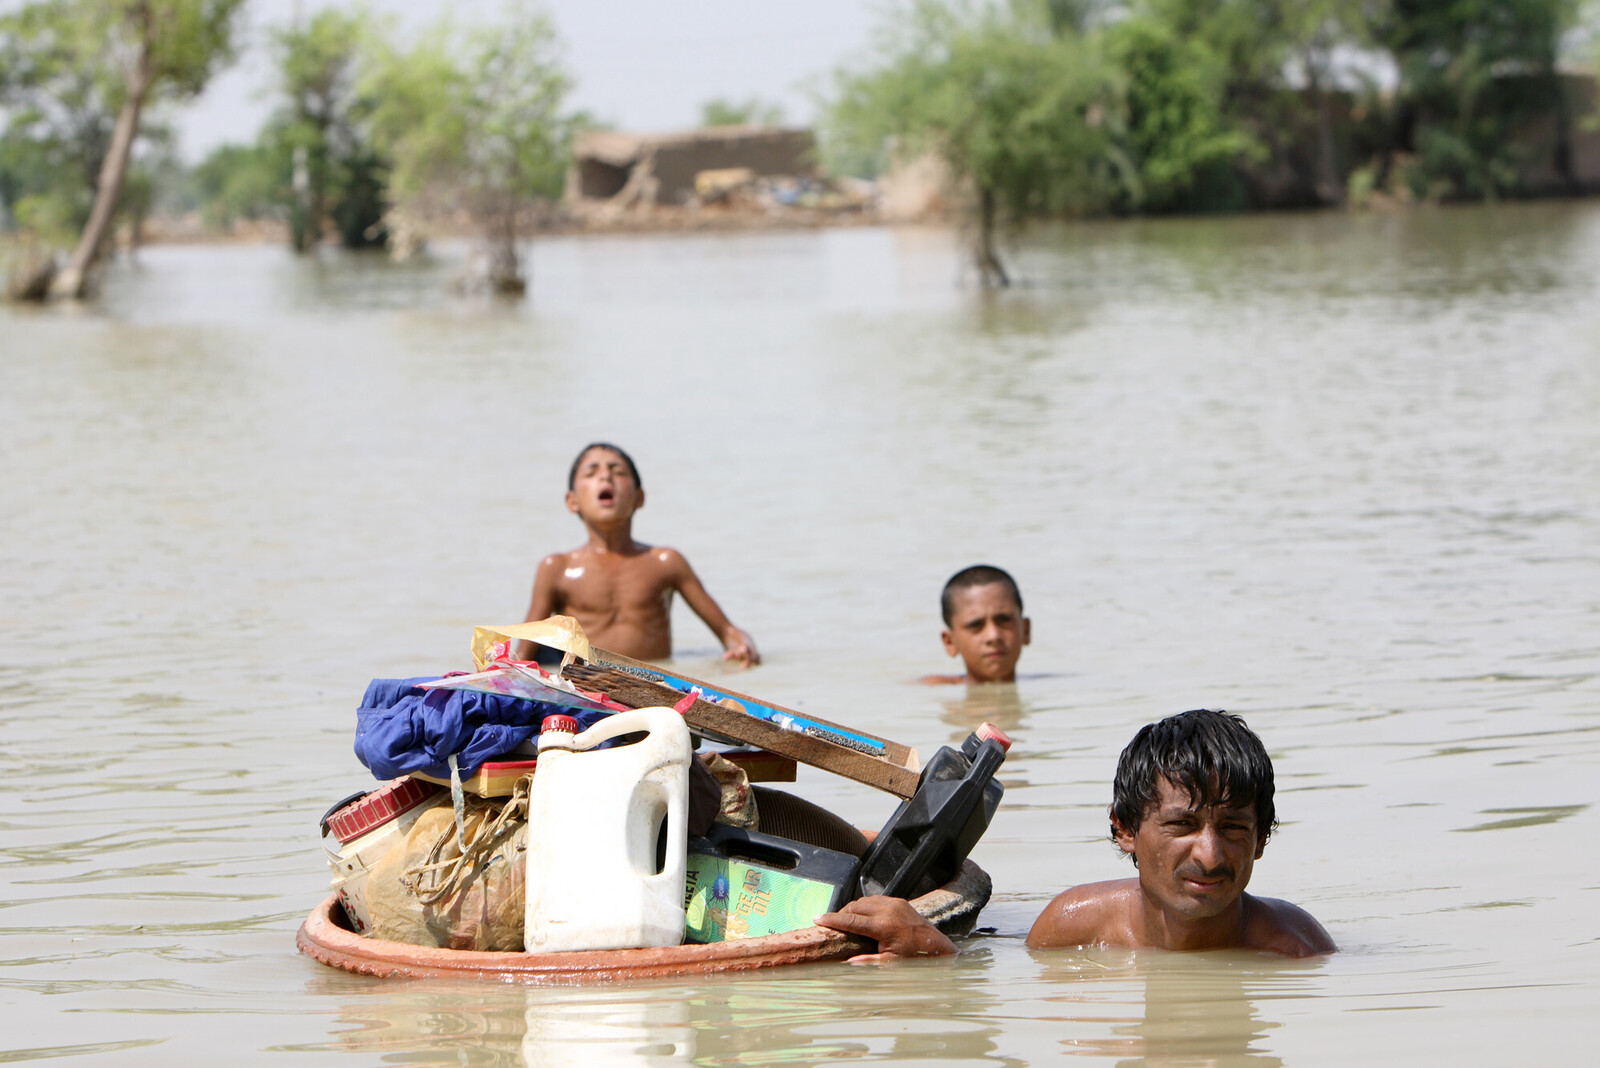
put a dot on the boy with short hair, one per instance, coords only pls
(619, 589)
(984, 625)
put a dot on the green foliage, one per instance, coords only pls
(187, 41)
(753, 111)
(474, 112)
(62, 59)
(320, 131)
(1068, 16)
(473, 118)
(1178, 137)
(1024, 117)
(69, 71)
(1458, 103)
(1243, 42)
(41, 187)
(58, 119)
(240, 182)
(1206, 104)
(360, 198)
(1263, 74)
(53, 218)
(1027, 119)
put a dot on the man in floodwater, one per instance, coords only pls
(1192, 805)
(619, 589)
(983, 624)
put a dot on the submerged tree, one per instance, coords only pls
(57, 127)
(1023, 115)
(123, 55)
(472, 120)
(1472, 73)
(238, 182)
(1178, 135)
(333, 171)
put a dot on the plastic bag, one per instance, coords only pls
(426, 893)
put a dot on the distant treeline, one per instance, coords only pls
(1042, 107)
(1037, 108)
(373, 133)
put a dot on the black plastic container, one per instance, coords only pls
(923, 844)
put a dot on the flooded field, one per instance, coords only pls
(1339, 474)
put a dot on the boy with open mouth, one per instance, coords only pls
(620, 589)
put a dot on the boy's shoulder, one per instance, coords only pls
(557, 562)
(639, 556)
(663, 557)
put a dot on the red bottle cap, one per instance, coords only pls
(989, 732)
(559, 722)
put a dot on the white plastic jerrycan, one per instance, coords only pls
(595, 818)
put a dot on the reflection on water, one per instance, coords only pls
(1338, 473)
(608, 1028)
(1197, 1009)
(808, 1015)
(999, 703)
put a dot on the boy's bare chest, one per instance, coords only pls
(610, 583)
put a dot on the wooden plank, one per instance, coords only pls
(726, 722)
(895, 752)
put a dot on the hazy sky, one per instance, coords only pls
(639, 65)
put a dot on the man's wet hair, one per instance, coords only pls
(976, 575)
(572, 475)
(1210, 754)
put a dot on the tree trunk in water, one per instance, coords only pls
(72, 281)
(991, 273)
(504, 276)
(1327, 185)
(304, 232)
(32, 271)
(1562, 151)
(505, 273)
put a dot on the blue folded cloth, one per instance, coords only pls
(401, 728)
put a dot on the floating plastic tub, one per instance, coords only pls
(327, 938)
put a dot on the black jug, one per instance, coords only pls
(923, 844)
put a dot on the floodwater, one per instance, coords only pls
(1340, 474)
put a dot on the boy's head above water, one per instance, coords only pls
(983, 622)
(572, 475)
(603, 484)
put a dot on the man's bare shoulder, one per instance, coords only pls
(1094, 913)
(1278, 926)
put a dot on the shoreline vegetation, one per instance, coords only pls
(984, 116)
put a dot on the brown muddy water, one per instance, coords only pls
(1338, 474)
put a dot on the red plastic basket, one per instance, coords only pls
(367, 814)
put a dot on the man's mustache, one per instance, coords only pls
(1194, 871)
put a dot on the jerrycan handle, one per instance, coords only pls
(638, 719)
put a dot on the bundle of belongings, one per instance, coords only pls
(514, 777)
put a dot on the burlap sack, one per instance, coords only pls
(485, 911)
